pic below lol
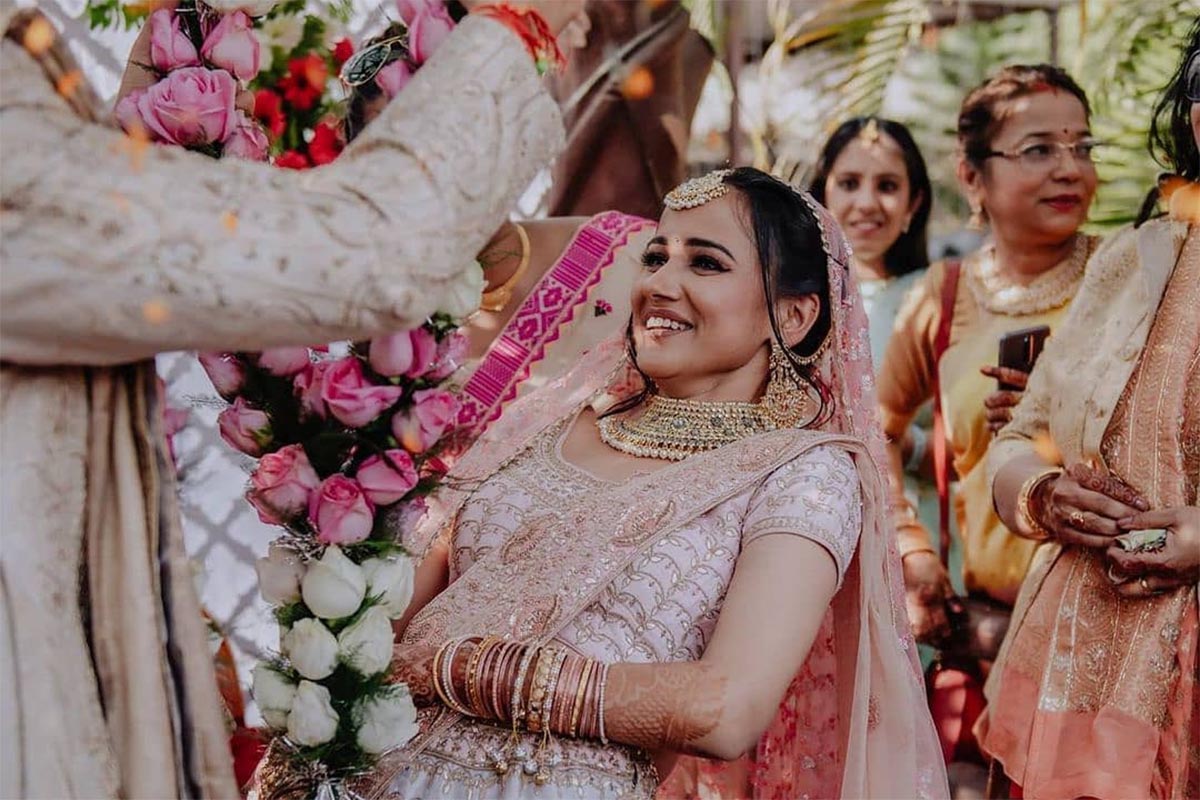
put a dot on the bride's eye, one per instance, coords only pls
(653, 259)
(708, 264)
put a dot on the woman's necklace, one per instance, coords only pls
(673, 429)
(1052, 289)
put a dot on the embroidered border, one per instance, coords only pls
(541, 317)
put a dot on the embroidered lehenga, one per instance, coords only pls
(542, 551)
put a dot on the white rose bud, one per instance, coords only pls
(333, 587)
(367, 644)
(313, 720)
(274, 694)
(279, 575)
(312, 649)
(391, 579)
(388, 722)
(464, 294)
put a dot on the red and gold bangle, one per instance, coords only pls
(534, 31)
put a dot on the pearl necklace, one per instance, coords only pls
(673, 429)
(1052, 289)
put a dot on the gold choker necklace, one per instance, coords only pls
(673, 429)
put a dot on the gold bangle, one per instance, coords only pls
(577, 709)
(1037, 531)
(496, 299)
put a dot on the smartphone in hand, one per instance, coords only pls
(1020, 350)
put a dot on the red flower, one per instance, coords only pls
(305, 82)
(292, 159)
(325, 145)
(268, 109)
(342, 51)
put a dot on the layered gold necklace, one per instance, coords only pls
(673, 429)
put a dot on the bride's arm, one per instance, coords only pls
(432, 576)
(722, 704)
(718, 706)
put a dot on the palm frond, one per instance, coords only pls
(1130, 53)
(831, 62)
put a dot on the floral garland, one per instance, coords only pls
(347, 448)
(202, 54)
(296, 97)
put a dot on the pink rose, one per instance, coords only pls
(191, 106)
(432, 412)
(127, 114)
(410, 9)
(226, 372)
(307, 386)
(392, 78)
(248, 140)
(385, 480)
(427, 31)
(340, 511)
(245, 428)
(170, 47)
(281, 484)
(451, 353)
(408, 353)
(284, 361)
(232, 45)
(351, 398)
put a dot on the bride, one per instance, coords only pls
(680, 547)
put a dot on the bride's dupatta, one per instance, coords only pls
(873, 715)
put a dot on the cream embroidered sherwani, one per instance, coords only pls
(112, 252)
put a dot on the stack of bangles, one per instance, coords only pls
(533, 30)
(543, 689)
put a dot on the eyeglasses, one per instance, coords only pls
(1191, 78)
(1044, 155)
(363, 66)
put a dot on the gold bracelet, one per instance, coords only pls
(1037, 531)
(496, 299)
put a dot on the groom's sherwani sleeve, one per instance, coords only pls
(114, 249)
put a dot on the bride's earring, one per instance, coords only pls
(786, 401)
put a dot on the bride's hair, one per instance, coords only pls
(791, 253)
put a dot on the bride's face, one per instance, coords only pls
(699, 313)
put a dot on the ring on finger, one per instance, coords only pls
(1076, 518)
(1145, 586)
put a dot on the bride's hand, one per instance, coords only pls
(412, 664)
